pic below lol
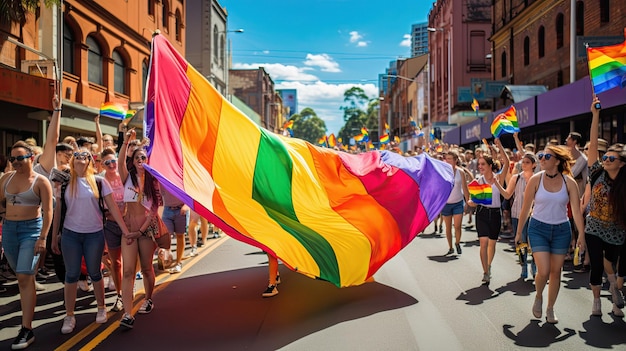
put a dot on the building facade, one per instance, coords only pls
(102, 49)
(206, 45)
(255, 88)
(419, 39)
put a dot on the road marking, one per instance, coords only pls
(161, 282)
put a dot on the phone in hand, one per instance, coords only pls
(35, 261)
(597, 106)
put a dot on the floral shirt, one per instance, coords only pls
(600, 221)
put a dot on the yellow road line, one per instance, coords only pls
(161, 282)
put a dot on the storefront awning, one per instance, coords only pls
(519, 93)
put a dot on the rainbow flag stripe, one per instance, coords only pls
(113, 110)
(327, 214)
(607, 66)
(384, 139)
(332, 140)
(480, 193)
(505, 123)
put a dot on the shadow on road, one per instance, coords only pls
(604, 335)
(476, 296)
(536, 335)
(518, 287)
(225, 311)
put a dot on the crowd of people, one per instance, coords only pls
(88, 206)
(93, 210)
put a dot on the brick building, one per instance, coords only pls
(255, 88)
(102, 48)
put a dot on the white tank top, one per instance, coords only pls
(551, 208)
(457, 191)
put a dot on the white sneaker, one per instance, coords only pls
(101, 316)
(85, 286)
(69, 322)
(176, 269)
(194, 251)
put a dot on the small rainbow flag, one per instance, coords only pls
(288, 124)
(364, 131)
(370, 145)
(396, 139)
(607, 66)
(323, 140)
(113, 110)
(384, 139)
(386, 127)
(505, 123)
(475, 105)
(332, 140)
(480, 193)
(359, 138)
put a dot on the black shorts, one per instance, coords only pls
(488, 222)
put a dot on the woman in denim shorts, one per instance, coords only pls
(549, 230)
(27, 199)
(453, 210)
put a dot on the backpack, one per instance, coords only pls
(64, 206)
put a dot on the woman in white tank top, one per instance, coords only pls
(453, 210)
(549, 231)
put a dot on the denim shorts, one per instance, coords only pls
(18, 242)
(452, 209)
(174, 221)
(552, 238)
(112, 234)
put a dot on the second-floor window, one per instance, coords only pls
(119, 73)
(69, 44)
(94, 59)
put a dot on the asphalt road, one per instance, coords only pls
(420, 300)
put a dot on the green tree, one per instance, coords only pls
(16, 10)
(308, 126)
(354, 115)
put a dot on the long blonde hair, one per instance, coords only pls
(89, 175)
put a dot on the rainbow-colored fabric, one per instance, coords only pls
(327, 214)
(384, 139)
(480, 193)
(113, 110)
(607, 66)
(475, 105)
(332, 140)
(505, 123)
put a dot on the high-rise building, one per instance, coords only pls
(419, 39)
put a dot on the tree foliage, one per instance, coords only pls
(308, 126)
(361, 111)
(16, 10)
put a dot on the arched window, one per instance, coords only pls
(580, 18)
(541, 42)
(559, 30)
(526, 51)
(503, 64)
(151, 7)
(605, 14)
(223, 51)
(69, 44)
(165, 18)
(119, 73)
(179, 26)
(144, 77)
(94, 72)
(214, 44)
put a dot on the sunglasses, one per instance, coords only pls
(142, 157)
(82, 155)
(610, 158)
(109, 162)
(105, 140)
(19, 158)
(547, 156)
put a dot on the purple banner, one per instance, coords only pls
(574, 99)
(471, 132)
(453, 136)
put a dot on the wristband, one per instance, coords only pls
(58, 109)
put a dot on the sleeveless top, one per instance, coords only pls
(131, 194)
(25, 198)
(457, 191)
(495, 193)
(520, 187)
(551, 208)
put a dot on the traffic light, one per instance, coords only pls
(437, 133)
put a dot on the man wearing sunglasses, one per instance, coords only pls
(27, 199)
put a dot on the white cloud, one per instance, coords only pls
(362, 44)
(326, 99)
(323, 61)
(406, 42)
(279, 71)
(355, 36)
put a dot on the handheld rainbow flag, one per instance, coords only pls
(480, 193)
(384, 139)
(505, 123)
(113, 110)
(370, 145)
(327, 214)
(332, 140)
(359, 138)
(288, 124)
(323, 141)
(364, 131)
(475, 105)
(386, 127)
(607, 66)
(396, 139)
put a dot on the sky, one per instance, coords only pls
(322, 48)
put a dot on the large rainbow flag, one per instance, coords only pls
(607, 66)
(327, 214)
